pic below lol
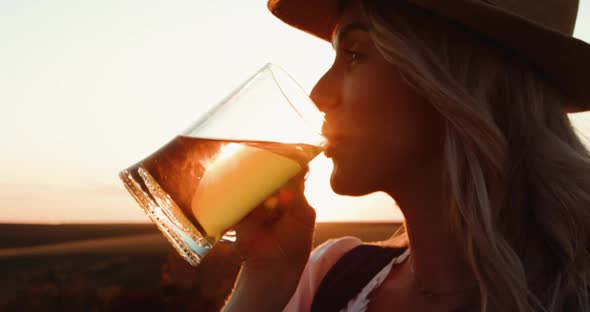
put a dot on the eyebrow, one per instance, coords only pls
(343, 31)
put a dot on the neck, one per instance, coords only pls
(437, 258)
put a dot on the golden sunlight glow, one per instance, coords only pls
(227, 151)
(330, 206)
(122, 89)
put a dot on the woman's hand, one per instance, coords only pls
(274, 242)
(279, 232)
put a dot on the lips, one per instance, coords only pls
(330, 149)
(333, 140)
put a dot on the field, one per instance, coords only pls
(122, 267)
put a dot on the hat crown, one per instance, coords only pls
(559, 15)
(539, 31)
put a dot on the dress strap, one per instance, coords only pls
(350, 274)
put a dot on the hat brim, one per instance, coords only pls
(563, 59)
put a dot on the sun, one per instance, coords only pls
(330, 207)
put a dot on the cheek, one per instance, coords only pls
(364, 167)
(415, 139)
(415, 128)
(394, 134)
(377, 163)
(391, 130)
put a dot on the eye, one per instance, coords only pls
(352, 56)
(352, 53)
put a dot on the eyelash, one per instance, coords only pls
(351, 56)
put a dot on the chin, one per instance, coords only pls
(348, 185)
(349, 191)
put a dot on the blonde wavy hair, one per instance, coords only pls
(518, 175)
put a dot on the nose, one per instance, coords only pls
(325, 94)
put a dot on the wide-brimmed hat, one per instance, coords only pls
(540, 31)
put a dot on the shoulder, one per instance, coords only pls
(326, 255)
(322, 258)
(331, 250)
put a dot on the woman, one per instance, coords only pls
(454, 110)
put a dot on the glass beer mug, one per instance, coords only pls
(205, 180)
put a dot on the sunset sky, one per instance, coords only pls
(88, 88)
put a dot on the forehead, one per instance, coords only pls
(351, 15)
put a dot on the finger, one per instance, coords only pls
(298, 181)
(299, 209)
(251, 222)
(289, 197)
(303, 214)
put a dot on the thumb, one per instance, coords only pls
(292, 199)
